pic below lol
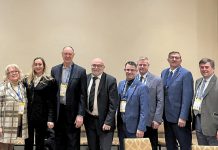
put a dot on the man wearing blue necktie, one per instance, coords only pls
(178, 94)
(205, 103)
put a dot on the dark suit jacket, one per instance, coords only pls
(41, 100)
(76, 94)
(178, 96)
(107, 100)
(209, 111)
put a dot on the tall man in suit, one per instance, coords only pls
(156, 102)
(205, 104)
(178, 94)
(133, 111)
(101, 109)
(71, 99)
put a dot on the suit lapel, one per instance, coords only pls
(198, 82)
(88, 79)
(165, 76)
(148, 79)
(131, 89)
(59, 74)
(121, 88)
(210, 85)
(72, 74)
(103, 77)
(175, 75)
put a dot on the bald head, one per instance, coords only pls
(97, 66)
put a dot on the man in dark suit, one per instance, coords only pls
(133, 111)
(178, 94)
(71, 99)
(205, 104)
(156, 102)
(101, 107)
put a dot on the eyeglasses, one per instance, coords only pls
(13, 72)
(96, 66)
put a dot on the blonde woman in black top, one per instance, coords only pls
(41, 95)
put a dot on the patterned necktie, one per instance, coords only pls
(92, 95)
(141, 78)
(201, 91)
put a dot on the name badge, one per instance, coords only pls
(21, 108)
(63, 89)
(122, 106)
(197, 104)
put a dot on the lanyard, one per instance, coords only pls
(18, 93)
(125, 91)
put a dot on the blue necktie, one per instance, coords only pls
(169, 78)
(201, 91)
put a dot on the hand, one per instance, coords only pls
(50, 125)
(181, 123)
(139, 134)
(155, 124)
(1, 132)
(79, 121)
(216, 135)
(106, 127)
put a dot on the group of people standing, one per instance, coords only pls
(33, 106)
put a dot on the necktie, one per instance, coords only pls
(141, 78)
(128, 83)
(92, 95)
(169, 77)
(201, 91)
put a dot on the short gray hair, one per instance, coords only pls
(12, 66)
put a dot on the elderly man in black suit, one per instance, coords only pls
(71, 99)
(101, 109)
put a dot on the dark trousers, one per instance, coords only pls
(97, 139)
(203, 139)
(39, 130)
(174, 133)
(123, 133)
(153, 137)
(67, 136)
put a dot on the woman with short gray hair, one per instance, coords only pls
(13, 112)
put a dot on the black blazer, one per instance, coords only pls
(107, 100)
(76, 94)
(41, 100)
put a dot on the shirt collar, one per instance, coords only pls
(208, 79)
(98, 77)
(173, 70)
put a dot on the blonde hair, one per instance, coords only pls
(12, 66)
(31, 76)
(143, 59)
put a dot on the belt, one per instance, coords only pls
(93, 116)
